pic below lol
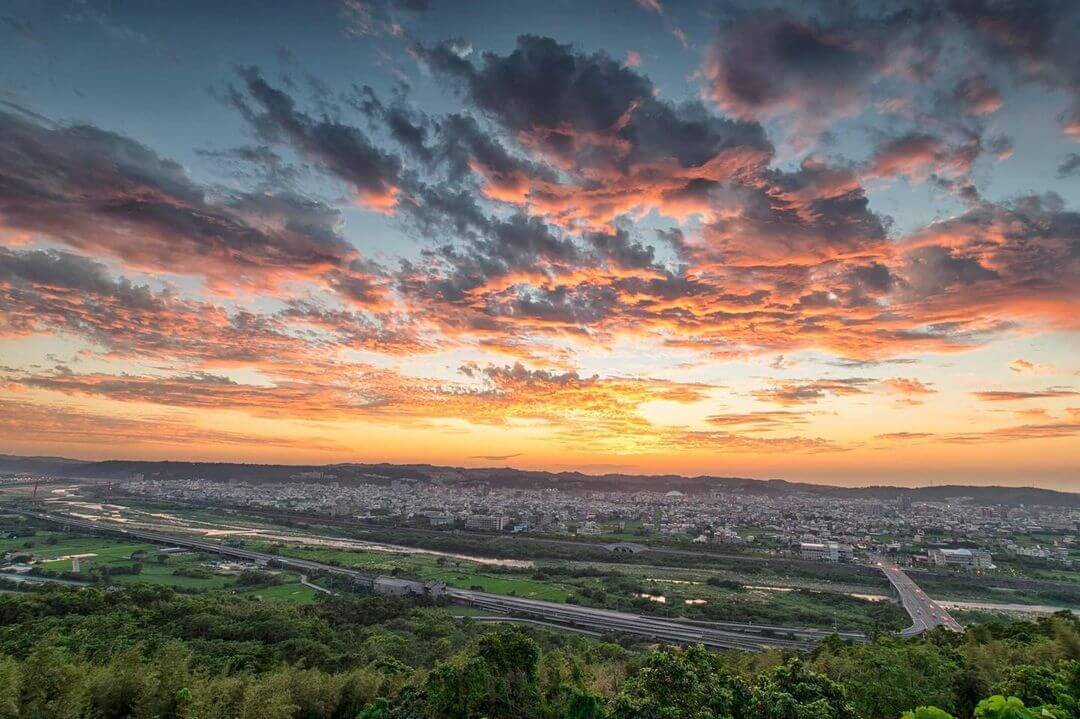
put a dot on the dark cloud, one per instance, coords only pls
(977, 95)
(1021, 256)
(519, 244)
(338, 148)
(255, 162)
(465, 147)
(589, 111)
(774, 62)
(798, 392)
(803, 217)
(1008, 396)
(1070, 166)
(1035, 39)
(407, 126)
(102, 192)
(919, 155)
(618, 248)
(934, 270)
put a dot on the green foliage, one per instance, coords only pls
(892, 675)
(496, 679)
(999, 707)
(927, 713)
(145, 652)
(258, 578)
(791, 691)
(694, 684)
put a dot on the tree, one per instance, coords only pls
(688, 684)
(9, 688)
(56, 691)
(168, 695)
(268, 700)
(999, 707)
(115, 689)
(790, 691)
(564, 688)
(927, 713)
(496, 679)
(890, 675)
(1033, 685)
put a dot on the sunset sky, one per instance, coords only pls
(836, 242)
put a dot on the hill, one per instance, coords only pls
(508, 477)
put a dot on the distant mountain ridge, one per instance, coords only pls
(508, 477)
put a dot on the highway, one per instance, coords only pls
(718, 635)
(925, 613)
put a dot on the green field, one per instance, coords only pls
(508, 584)
(48, 549)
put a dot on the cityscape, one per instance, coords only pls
(817, 528)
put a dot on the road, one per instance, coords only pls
(925, 613)
(307, 583)
(718, 635)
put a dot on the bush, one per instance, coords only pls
(258, 578)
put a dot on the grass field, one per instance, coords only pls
(52, 551)
(504, 584)
(456, 573)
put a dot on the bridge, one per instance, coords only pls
(925, 613)
(717, 635)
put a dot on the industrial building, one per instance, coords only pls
(486, 523)
(826, 551)
(968, 558)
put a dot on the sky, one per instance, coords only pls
(823, 241)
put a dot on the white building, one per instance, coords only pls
(485, 522)
(970, 558)
(826, 551)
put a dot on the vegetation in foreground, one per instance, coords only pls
(142, 651)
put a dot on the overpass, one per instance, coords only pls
(717, 635)
(925, 613)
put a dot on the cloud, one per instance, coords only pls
(1018, 433)
(895, 436)
(977, 95)
(766, 64)
(810, 391)
(103, 193)
(759, 421)
(1009, 396)
(42, 423)
(600, 121)
(50, 291)
(918, 155)
(1015, 259)
(576, 411)
(1034, 40)
(1023, 366)
(907, 386)
(1053, 430)
(1069, 166)
(343, 150)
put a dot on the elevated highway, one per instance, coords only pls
(925, 613)
(718, 635)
